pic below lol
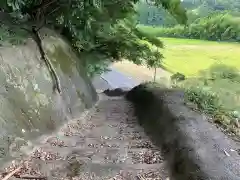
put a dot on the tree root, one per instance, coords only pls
(55, 79)
(7, 20)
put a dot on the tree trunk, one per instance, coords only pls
(155, 74)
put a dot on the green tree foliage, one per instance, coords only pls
(150, 15)
(100, 30)
(217, 28)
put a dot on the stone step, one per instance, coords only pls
(89, 171)
(102, 154)
(109, 144)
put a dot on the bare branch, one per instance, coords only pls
(41, 5)
(53, 11)
(12, 173)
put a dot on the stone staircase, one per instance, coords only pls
(106, 143)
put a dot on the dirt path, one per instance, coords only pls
(142, 73)
(106, 144)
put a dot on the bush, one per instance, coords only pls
(178, 77)
(222, 72)
(204, 99)
(220, 27)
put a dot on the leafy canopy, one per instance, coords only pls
(100, 30)
(151, 15)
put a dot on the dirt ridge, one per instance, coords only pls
(194, 148)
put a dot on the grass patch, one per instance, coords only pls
(191, 56)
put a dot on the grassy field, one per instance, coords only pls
(189, 56)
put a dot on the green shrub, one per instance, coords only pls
(178, 77)
(224, 72)
(220, 27)
(220, 71)
(204, 99)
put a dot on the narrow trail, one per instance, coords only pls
(107, 144)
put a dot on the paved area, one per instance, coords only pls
(114, 79)
(140, 73)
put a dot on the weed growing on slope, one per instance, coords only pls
(216, 92)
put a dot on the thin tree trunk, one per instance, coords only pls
(155, 74)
